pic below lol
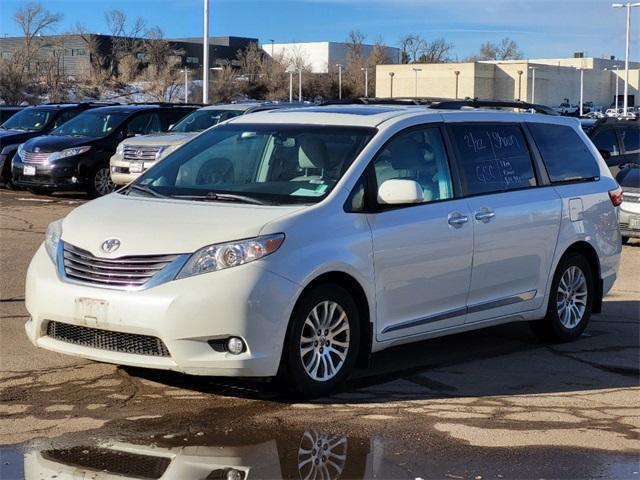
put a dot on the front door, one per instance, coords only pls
(422, 253)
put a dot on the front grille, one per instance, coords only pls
(107, 339)
(123, 272)
(631, 197)
(33, 157)
(126, 464)
(136, 152)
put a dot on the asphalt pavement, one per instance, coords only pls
(493, 403)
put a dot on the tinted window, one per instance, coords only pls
(202, 119)
(30, 119)
(631, 138)
(417, 155)
(91, 123)
(494, 158)
(565, 155)
(607, 140)
(172, 117)
(144, 124)
(65, 117)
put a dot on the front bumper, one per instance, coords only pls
(629, 217)
(247, 301)
(59, 176)
(121, 169)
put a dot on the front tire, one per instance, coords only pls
(625, 240)
(322, 343)
(570, 301)
(99, 182)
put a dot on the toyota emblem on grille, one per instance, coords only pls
(139, 153)
(110, 245)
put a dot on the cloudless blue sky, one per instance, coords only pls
(542, 28)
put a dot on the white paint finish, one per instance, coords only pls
(576, 210)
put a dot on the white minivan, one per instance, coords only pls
(295, 243)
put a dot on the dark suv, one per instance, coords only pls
(75, 156)
(617, 139)
(32, 122)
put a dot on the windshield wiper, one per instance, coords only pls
(145, 189)
(224, 197)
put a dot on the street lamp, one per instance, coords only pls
(272, 41)
(457, 74)
(186, 84)
(416, 70)
(366, 81)
(581, 91)
(205, 55)
(520, 72)
(339, 65)
(533, 84)
(628, 6)
(300, 85)
(617, 87)
(391, 74)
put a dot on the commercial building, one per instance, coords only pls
(548, 81)
(320, 56)
(73, 53)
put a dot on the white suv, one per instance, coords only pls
(297, 242)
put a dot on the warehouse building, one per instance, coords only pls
(545, 81)
(320, 57)
(74, 55)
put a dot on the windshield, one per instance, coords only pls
(202, 119)
(91, 124)
(30, 119)
(279, 164)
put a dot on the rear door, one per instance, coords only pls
(422, 252)
(515, 219)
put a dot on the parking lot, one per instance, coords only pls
(488, 404)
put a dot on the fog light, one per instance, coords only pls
(74, 179)
(233, 474)
(235, 345)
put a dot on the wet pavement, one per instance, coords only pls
(488, 404)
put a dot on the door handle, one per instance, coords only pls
(456, 219)
(484, 215)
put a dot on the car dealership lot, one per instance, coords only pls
(488, 403)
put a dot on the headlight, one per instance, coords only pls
(120, 149)
(52, 239)
(21, 150)
(227, 255)
(69, 152)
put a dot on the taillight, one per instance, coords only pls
(616, 196)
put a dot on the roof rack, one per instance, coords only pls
(445, 103)
(166, 104)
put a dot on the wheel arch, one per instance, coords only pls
(589, 253)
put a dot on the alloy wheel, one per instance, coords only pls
(324, 341)
(102, 181)
(321, 456)
(572, 297)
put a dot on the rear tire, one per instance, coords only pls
(625, 240)
(322, 342)
(41, 191)
(570, 301)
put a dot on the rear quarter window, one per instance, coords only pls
(631, 139)
(493, 158)
(566, 157)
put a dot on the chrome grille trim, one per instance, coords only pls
(34, 157)
(124, 273)
(107, 339)
(140, 152)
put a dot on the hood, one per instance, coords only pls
(8, 137)
(156, 226)
(160, 139)
(56, 143)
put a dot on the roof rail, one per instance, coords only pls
(475, 103)
(166, 104)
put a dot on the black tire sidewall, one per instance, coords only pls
(558, 331)
(293, 373)
(625, 240)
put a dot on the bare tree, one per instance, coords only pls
(126, 45)
(411, 46)
(161, 65)
(436, 51)
(34, 20)
(506, 49)
(13, 81)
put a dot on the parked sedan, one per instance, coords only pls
(629, 180)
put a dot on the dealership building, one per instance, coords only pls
(320, 57)
(547, 81)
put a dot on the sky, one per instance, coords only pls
(542, 28)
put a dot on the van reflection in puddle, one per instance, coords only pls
(312, 455)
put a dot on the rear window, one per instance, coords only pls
(566, 156)
(631, 138)
(494, 158)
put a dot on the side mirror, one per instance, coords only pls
(606, 154)
(399, 192)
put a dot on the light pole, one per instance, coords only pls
(290, 86)
(581, 91)
(457, 74)
(272, 41)
(617, 86)
(628, 6)
(186, 84)
(520, 72)
(416, 70)
(205, 55)
(391, 74)
(300, 85)
(339, 65)
(533, 84)
(366, 81)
